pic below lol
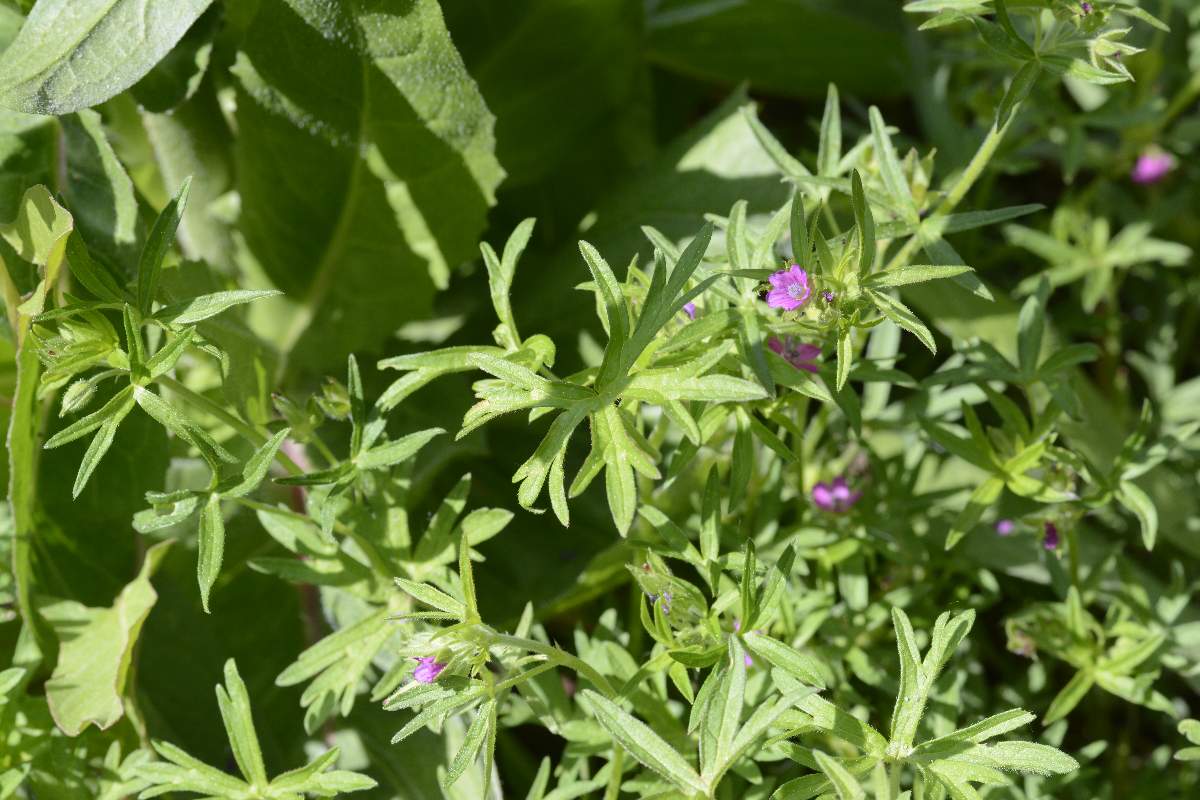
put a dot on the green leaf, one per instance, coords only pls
(914, 686)
(38, 235)
(99, 445)
(116, 407)
(826, 716)
(1022, 84)
(197, 309)
(889, 167)
(394, 452)
(644, 744)
(983, 498)
(170, 417)
(471, 745)
(730, 705)
(1069, 696)
(829, 147)
(211, 551)
(800, 665)
(1131, 496)
(168, 356)
(256, 467)
(99, 192)
(96, 649)
(845, 784)
(390, 150)
(234, 703)
(1030, 758)
(845, 358)
(91, 275)
(158, 243)
(865, 222)
(71, 54)
(432, 597)
(916, 273)
(899, 313)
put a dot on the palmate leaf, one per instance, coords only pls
(390, 164)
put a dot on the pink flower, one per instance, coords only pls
(1050, 542)
(690, 310)
(790, 288)
(835, 497)
(796, 353)
(1152, 166)
(427, 669)
(1004, 527)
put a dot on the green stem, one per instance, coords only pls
(987, 149)
(23, 452)
(1073, 555)
(559, 657)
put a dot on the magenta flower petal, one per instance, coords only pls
(1050, 542)
(837, 497)
(427, 669)
(1151, 167)
(822, 496)
(807, 352)
(1004, 527)
(791, 288)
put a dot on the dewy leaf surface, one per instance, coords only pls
(389, 171)
(71, 54)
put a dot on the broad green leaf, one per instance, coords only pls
(98, 191)
(89, 681)
(390, 167)
(38, 235)
(843, 40)
(71, 54)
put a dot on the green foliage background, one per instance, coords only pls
(208, 209)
